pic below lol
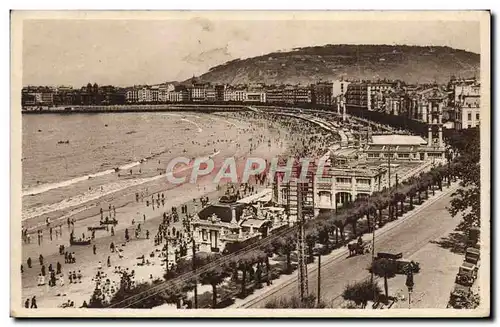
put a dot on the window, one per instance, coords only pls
(477, 116)
(363, 181)
(469, 116)
(469, 125)
(342, 180)
(204, 234)
(403, 155)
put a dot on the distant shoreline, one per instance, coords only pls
(137, 108)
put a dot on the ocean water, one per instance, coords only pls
(57, 176)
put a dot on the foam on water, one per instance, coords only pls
(97, 193)
(50, 186)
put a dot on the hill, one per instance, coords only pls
(413, 64)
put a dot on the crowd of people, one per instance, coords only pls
(300, 138)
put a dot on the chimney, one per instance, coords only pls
(233, 216)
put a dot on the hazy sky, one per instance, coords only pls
(127, 52)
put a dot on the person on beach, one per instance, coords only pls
(27, 303)
(33, 302)
(58, 268)
(41, 280)
(109, 261)
(43, 270)
(112, 231)
(61, 280)
(52, 281)
(112, 247)
(29, 262)
(126, 235)
(94, 249)
(40, 259)
(50, 232)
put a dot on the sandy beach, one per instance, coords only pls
(242, 139)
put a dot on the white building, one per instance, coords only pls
(255, 96)
(467, 104)
(145, 94)
(339, 87)
(235, 95)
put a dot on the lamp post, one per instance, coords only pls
(319, 277)
(195, 304)
(409, 284)
(389, 154)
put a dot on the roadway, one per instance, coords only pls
(418, 228)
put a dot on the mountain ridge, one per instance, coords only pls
(307, 65)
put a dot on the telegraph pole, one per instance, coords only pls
(373, 247)
(195, 304)
(389, 164)
(301, 247)
(319, 277)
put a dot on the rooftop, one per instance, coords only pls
(396, 139)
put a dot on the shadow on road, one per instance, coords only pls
(455, 242)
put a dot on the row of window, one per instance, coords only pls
(398, 155)
(346, 180)
(469, 116)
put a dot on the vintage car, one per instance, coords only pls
(467, 274)
(472, 255)
(458, 296)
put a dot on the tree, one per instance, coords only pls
(466, 168)
(268, 250)
(352, 219)
(285, 245)
(339, 229)
(175, 294)
(295, 303)
(385, 268)
(381, 202)
(362, 292)
(311, 238)
(214, 277)
(412, 192)
(245, 263)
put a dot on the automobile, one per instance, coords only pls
(458, 296)
(472, 255)
(387, 255)
(467, 274)
(473, 236)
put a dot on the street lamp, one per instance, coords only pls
(409, 284)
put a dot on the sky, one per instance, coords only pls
(127, 52)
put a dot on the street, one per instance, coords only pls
(414, 233)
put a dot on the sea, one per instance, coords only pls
(71, 159)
